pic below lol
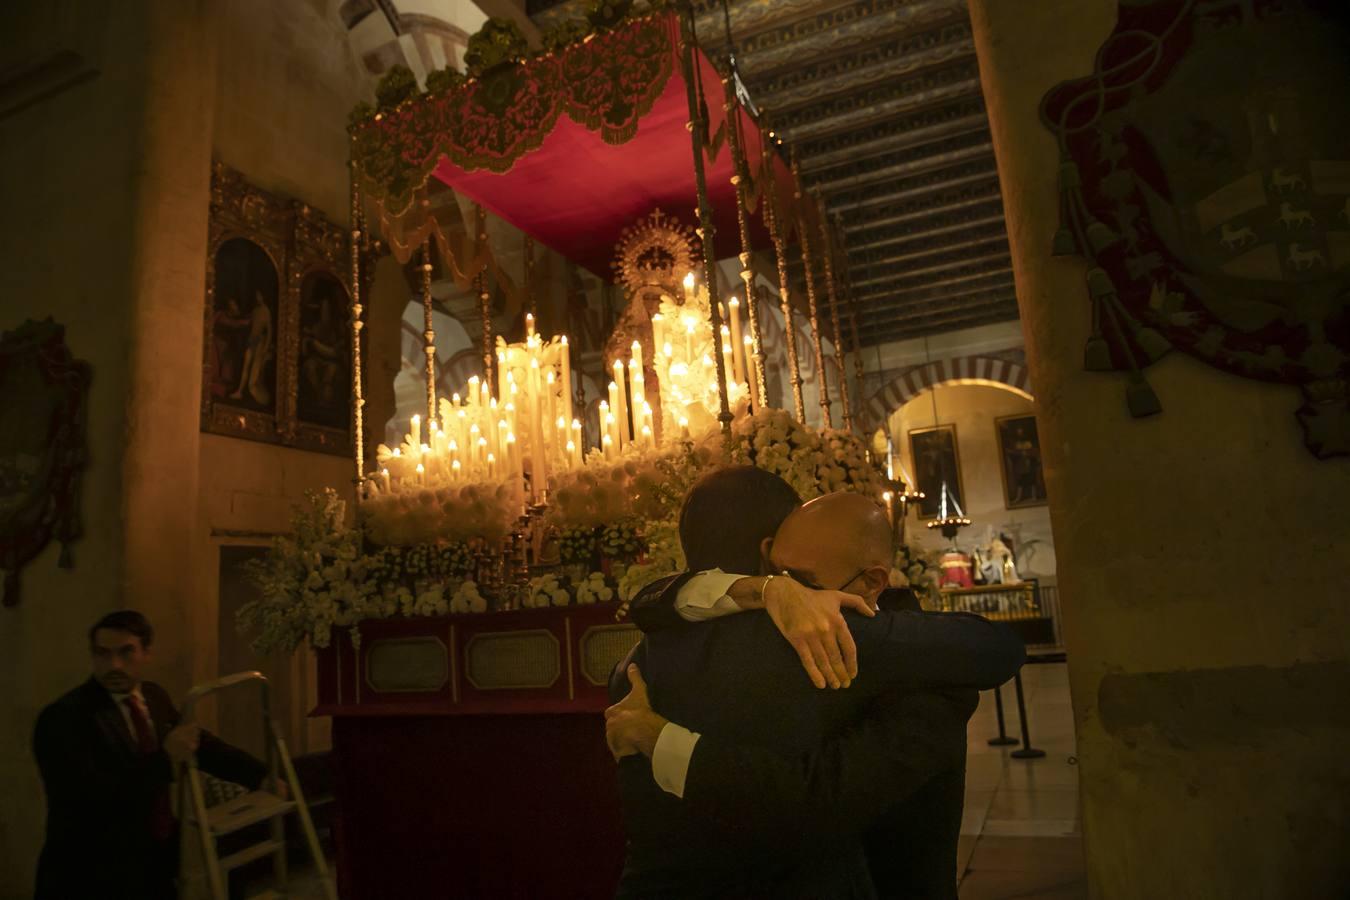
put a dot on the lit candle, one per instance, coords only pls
(612, 429)
(647, 436)
(689, 340)
(492, 465)
(536, 431)
(384, 480)
(529, 325)
(727, 373)
(639, 383)
(734, 314)
(611, 407)
(421, 474)
(415, 430)
(565, 359)
(689, 288)
(607, 444)
(620, 409)
(576, 439)
(474, 394)
(571, 454)
(684, 428)
(517, 460)
(551, 405)
(637, 354)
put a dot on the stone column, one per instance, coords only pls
(1204, 613)
(171, 184)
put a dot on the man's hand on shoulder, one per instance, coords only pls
(813, 623)
(631, 726)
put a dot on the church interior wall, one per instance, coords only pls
(1206, 631)
(973, 410)
(108, 243)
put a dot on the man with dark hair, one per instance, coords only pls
(107, 752)
(712, 539)
(767, 784)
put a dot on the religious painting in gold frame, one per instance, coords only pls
(935, 456)
(276, 318)
(319, 390)
(1019, 462)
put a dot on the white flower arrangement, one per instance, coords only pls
(547, 590)
(467, 599)
(664, 557)
(456, 512)
(593, 589)
(319, 576)
(313, 579)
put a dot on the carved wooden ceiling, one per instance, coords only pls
(881, 101)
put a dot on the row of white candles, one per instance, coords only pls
(626, 416)
(530, 425)
(478, 438)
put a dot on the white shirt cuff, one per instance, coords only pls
(705, 596)
(670, 759)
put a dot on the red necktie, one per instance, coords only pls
(140, 721)
(161, 815)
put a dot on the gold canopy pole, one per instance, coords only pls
(757, 382)
(852, 309)
(428, 334)
(484, 298)
(804, 234)
(698, 130)
(827, 254)
(358, 402)
(767, 200)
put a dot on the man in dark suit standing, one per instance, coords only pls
(777, 780)
(107, 752)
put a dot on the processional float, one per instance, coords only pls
(453, 733)
(572, 156)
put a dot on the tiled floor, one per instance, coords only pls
(1020, 836)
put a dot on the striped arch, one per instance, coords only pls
(960, 370)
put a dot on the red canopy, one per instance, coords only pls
(593, 138)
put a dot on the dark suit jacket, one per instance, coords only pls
(101, 793)
(761, 812)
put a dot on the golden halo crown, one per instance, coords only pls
(655, 251)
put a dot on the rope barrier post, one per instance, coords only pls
(1002, 740)
(1026, 751)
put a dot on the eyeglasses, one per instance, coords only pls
(806, 582)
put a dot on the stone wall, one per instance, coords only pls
(1200, 551)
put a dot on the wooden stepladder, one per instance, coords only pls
(263, 805)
